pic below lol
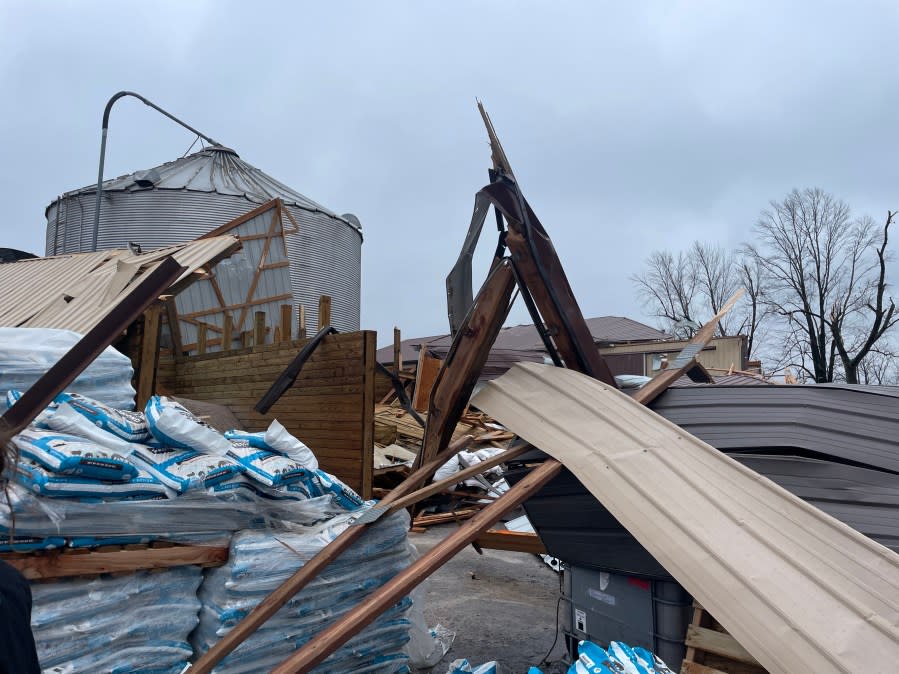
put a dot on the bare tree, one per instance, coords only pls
(879, 367)
(668, 288)
(826, 277)
(692, 286)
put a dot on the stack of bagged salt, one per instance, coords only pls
(260, 561)
(138, 622)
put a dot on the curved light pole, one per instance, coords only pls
(106, 112)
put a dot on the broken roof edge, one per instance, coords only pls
(800, 590)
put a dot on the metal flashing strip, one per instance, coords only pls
(801, 591)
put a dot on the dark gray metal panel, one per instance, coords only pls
(842, 423)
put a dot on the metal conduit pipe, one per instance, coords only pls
(105, 128)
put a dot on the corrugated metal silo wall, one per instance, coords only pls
(326, 253)
(326, 259)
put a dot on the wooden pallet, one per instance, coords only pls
(711, 650)
(68, 562)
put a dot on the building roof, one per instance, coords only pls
(213, 169)
(605, 330)
(74, 292)
(768, 566)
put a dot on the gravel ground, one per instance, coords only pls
(501, 605)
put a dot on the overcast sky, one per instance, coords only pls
(630, 126)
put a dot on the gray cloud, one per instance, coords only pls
(630, 128)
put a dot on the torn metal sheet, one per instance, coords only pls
(801, 591)
(75, 292)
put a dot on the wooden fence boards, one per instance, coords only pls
(330, 407)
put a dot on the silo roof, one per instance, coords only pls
(215, 169)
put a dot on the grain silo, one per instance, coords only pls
(188, 197)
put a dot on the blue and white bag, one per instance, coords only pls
(71, 455)
(277, 439)
(39, 480)
(130, 426)
(66, 420)
(29, 543)
(324, 484)
(269, 468)
(175, 426)
(183, 469)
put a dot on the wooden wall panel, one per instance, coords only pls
(330, 406)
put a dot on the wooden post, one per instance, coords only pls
(245, 338)
(259, 329)
(397, 351)
(324, 311)
(149, 354)
(301, 330)
(174, 327)
(201, 339)
(228, 332)
(286, 318)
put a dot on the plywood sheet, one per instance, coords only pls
(801, 591)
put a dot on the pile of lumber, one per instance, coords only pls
(394, 425)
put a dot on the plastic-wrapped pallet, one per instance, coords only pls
(260, 561)
(27, 353)
(134, 623)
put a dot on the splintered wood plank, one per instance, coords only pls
(259, 328)
(228, 332)
(149, 354)
(426, 375)
(286, 322)
(324, 311)
(62, 565)
(301, 322)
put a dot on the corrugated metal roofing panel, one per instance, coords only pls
(802, 592)
(75, 291)
(27, 286)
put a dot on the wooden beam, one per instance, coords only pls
(397, 351)
(201, 339)
(324, 311)
(360, 616)
(149, 354)
(259, 329)
(62, 565)
(310, 570)
(513, 541)
(368, 413)
(425, 377)
(301, 323)
(228, 332)
(171, 314)
(286, 322)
